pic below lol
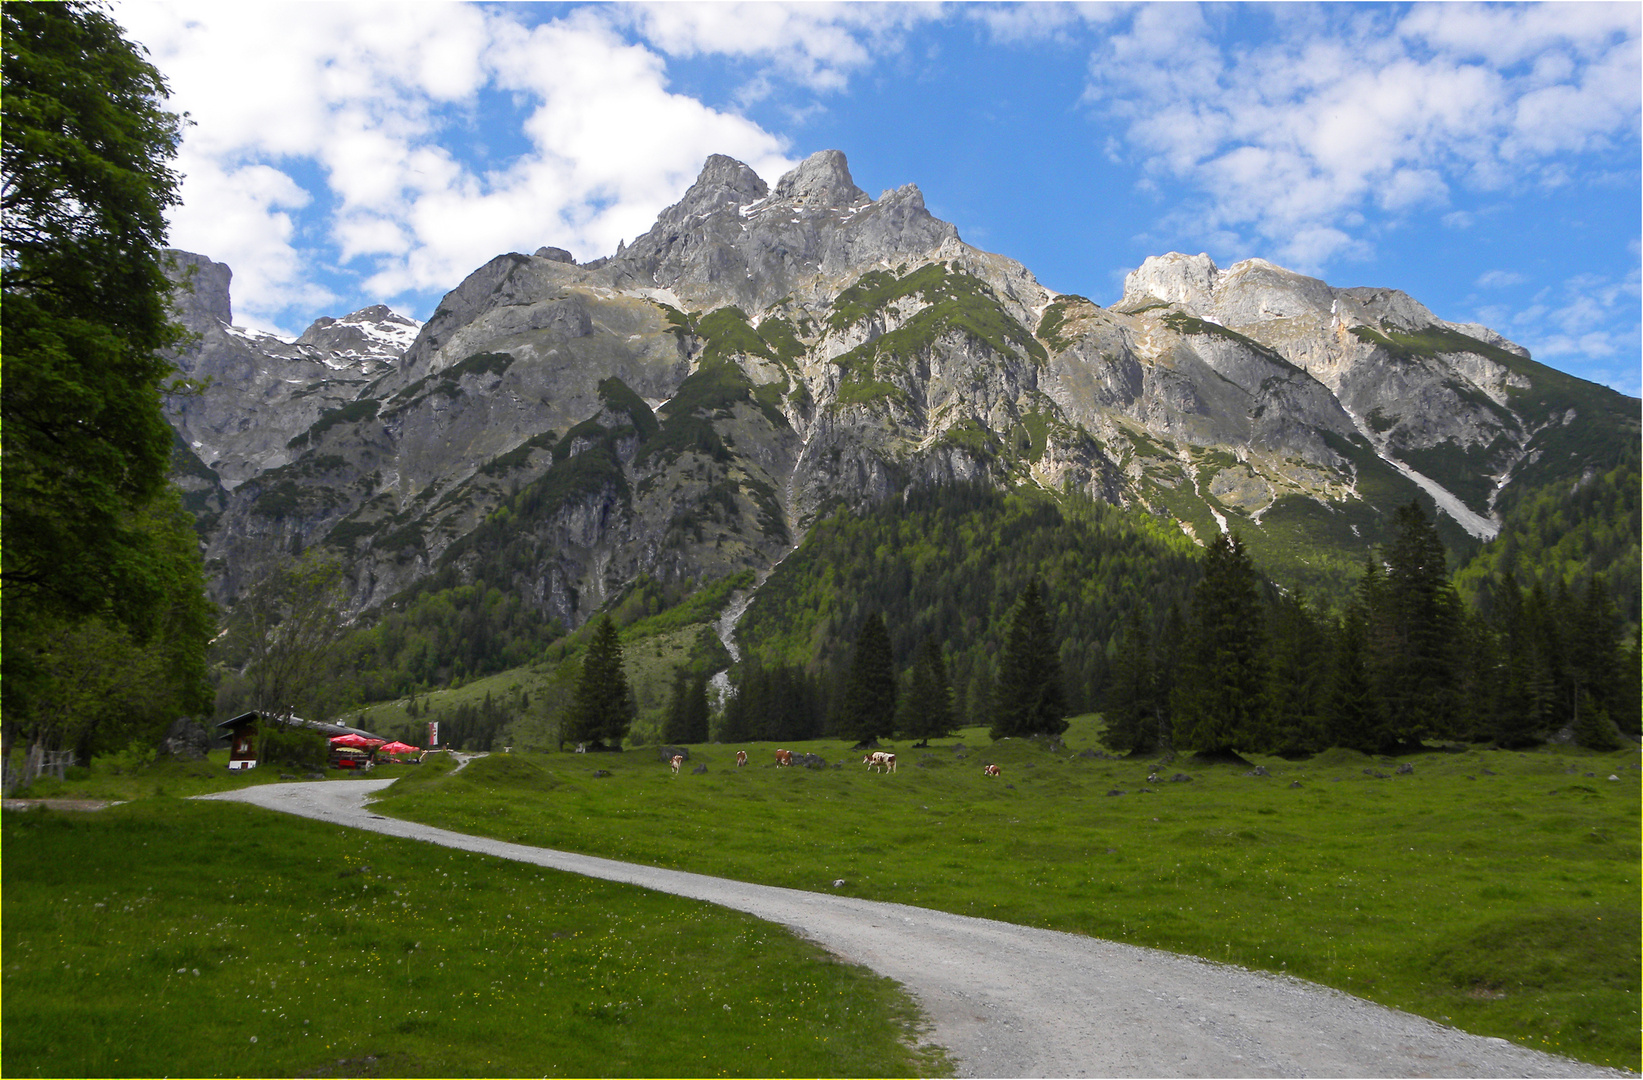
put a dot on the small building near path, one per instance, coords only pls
(242, 731)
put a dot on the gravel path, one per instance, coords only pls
(1012, 1001)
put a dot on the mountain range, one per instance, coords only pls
(684, 410)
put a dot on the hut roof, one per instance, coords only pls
(329, 730)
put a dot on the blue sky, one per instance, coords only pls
(1483, 158)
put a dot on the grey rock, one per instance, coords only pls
(699, 770)
(186, 740)
(1405, 769)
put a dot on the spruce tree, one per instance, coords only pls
(870, 697)
(1029, 698)
(1132, 706)
(1300, 665)
(1421, 620)
(927, 708)
(604, 705)
(1220, 704)
(687, 710)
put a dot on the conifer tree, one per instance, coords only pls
(1029, 698)
(870, 698)
(927, 708)
(687, 711)
(1221, 701)
(1420, 619)
(604, 706)
(1300, 677)
(1167, 671)
(1132, 705)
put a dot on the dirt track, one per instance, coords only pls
(1011, 1001)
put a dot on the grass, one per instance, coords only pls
(1494, 891)
(169, 937)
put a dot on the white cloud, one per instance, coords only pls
(1582, 324)
(818, 45)
(362, 116)
(1338, 111)
(1500, 279)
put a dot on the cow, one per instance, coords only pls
(741, 758)
(880, 759)
(676, 761)
(784, 757)
(990, 770)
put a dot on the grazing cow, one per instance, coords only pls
(990, 770)
(677, 760)
(881, 760)
(741, 758)
(784, 757)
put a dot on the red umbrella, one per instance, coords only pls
(356, 742)
(400, 748)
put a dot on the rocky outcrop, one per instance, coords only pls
(684, 408)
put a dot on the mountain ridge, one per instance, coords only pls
(685, 407)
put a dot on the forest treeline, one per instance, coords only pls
(1182, 647)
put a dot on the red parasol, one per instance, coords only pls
(399, 748)
(354, 742)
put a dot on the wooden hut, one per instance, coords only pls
(241, 732)
(242, 740)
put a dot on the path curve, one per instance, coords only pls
(1014, 1001)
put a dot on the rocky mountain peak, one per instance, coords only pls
(1186, 280)
(376, 332)
(724, 183)
(821, 182)
(202, 293)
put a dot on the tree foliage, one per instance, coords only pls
(1220, 702)
(604, 707)
(870, 694)
(1029, 698)
(282, 633)
(93, 551)
(926, 710)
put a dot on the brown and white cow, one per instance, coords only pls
(741, 758)
(880, 760)
(784, 757)
(990, 770)
(678, 760)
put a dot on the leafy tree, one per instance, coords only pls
(1131, 711)
(1221, 698)
(870, 694)
(927, 707)
(283, 630)
(604, 706)
(1029, 696)
(85, 150)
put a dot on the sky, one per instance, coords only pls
(1484, 159)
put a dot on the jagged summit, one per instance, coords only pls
(734, 240)
(821, 182)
